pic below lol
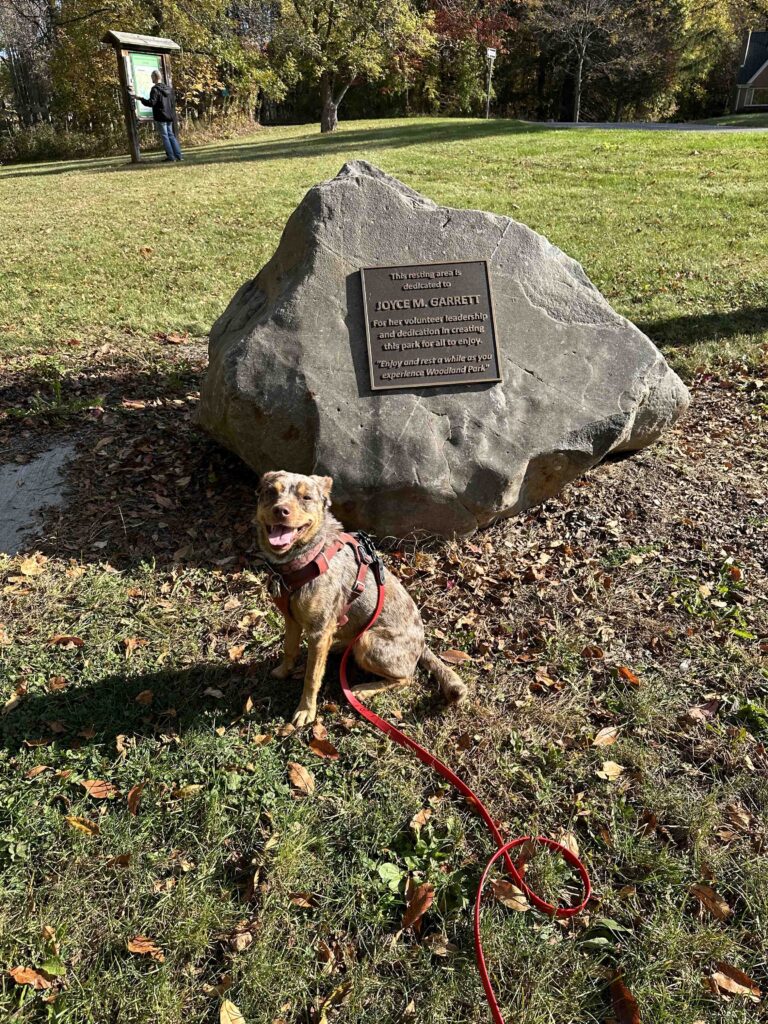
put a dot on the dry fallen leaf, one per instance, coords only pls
(592, 653)
(99, 789)
(711, 901)
(542, 678)
(57, 683)
(569, 841)
(319, 732)
(610, 771)
(731, 981)
(122, 860)
(323, 748)
(628, 675)
(440, 945)
(301, 780)
(701, 713)
(131, 643)
(420, 819)
(38, 980)
(624, 1003)
(240, 939)
(261, 739)
(738, 816)
(454, 657)
(83, 825)
(145, 946)
(33, 566)
(288, 729)
(65, 640)
(419, 902)
(145, 697)
(37, 770)
(225, 983)
(134, 798)
(509, 894)
(236, 653)
(303, 899)
(229, 1013)
(606, 736)
(211, 691)
(336, 998)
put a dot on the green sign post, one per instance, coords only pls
(137, 57)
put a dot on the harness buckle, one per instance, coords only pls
(370, 555)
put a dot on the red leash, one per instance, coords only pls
(503, 848)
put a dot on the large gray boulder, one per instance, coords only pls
(288, 386)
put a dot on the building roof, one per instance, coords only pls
(755, 56)
(132, 41)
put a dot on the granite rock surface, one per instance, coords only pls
(288, 383)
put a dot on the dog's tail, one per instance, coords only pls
(451, 685)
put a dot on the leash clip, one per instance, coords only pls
(370, 555)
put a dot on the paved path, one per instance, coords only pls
(25, 490)
(650, 126)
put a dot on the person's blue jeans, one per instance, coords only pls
(170, 142)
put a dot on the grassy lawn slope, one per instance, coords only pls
(156, 854)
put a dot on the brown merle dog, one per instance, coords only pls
(294, 524)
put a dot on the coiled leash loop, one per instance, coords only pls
(433, 762)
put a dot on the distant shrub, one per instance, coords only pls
(47, 142)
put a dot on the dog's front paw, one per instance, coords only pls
(455, 692)
(282, 671)
(304, 716)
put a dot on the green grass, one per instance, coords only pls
(739, 120)
(652, 563)
(670, 226)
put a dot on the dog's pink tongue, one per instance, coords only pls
(281, 536)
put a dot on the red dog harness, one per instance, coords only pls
(294, 575)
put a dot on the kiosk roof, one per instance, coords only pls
(132, 41)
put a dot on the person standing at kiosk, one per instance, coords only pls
(162, 99)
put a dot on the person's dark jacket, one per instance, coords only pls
(162, 101)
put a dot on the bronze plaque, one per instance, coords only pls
(430, 325)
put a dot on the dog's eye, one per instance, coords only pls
(306, 497)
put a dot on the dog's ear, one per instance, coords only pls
(265, 480)
(325, 483)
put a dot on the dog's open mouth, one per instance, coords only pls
(282, 537)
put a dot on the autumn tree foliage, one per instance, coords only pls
(336, 43)
(464, 28)
(294, 59)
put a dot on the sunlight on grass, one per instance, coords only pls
(670, 226)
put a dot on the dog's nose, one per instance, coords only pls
(283, 511)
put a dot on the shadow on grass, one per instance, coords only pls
(146, 483)
(676, 332)
(108, 707)
(96, 713)
(308, 145)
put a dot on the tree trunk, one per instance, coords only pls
(577, 88)
(330, 116)
(541, 82)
